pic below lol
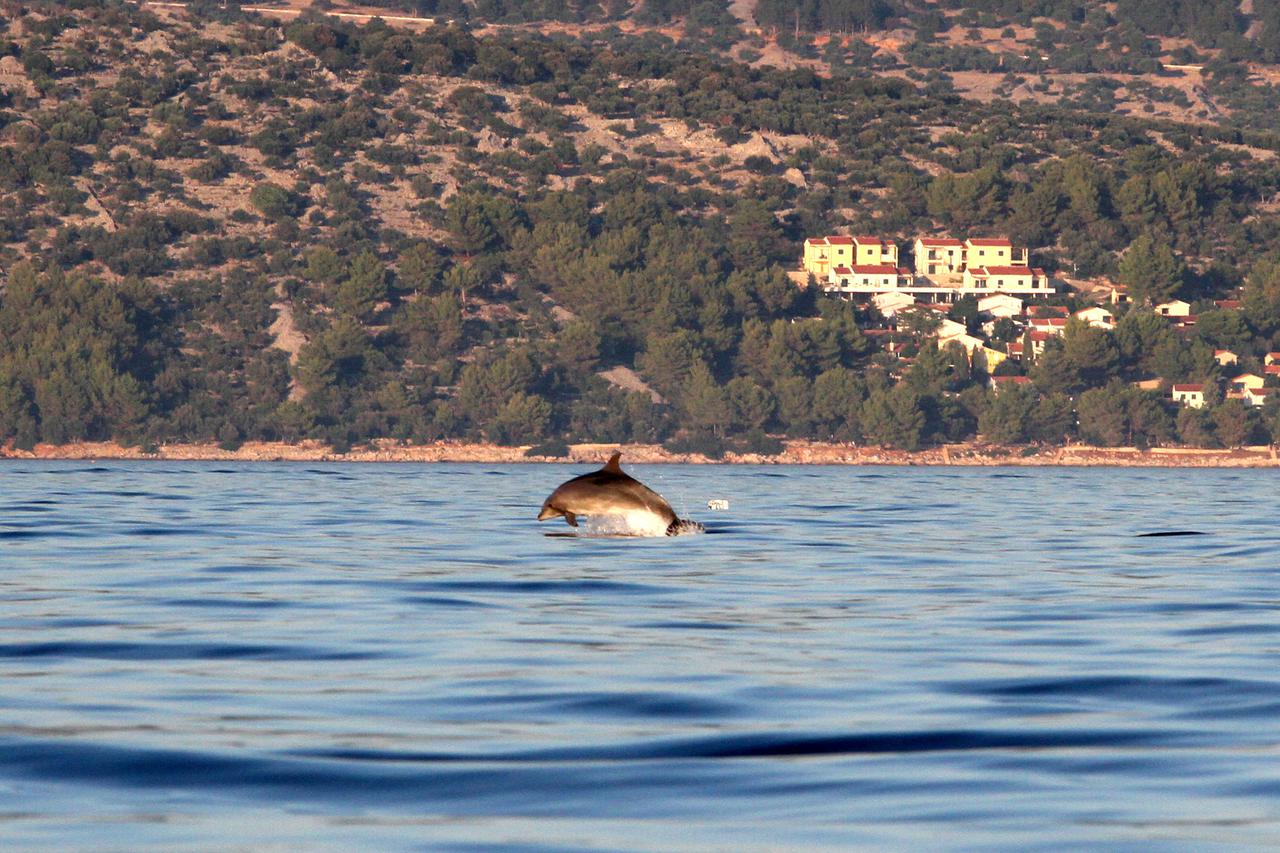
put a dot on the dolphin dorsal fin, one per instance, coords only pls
(612, 466)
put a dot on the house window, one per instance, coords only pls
(982, 252)
(886, 281)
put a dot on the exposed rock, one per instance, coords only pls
(629, 380)
(13, 78)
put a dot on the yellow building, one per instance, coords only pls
(1006, 279)
(872, 251)
(823, 254)
(938, 255)
(981, 252)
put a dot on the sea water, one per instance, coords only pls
(316, 656)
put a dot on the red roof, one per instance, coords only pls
(1014, 347)
(1013, 380)
(1192, 387)
(841, 271)
(864, 240)
(1042, 336)
(989, 242)
(940, 241)
(875, 269)
(840, 241)
(816, 241)
(1051, 322)
(1273, 356)
(1219, 352)
(1227, 303)
(1272, 370)
(981, 271)
(1047, 310)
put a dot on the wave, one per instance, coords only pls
(176, 651)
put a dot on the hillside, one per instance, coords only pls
(228, 226)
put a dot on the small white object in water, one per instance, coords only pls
(717, 503)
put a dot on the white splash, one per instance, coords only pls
(634, 523)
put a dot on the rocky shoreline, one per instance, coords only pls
(796, 453)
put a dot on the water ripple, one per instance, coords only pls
(342, 657)
(175, 651)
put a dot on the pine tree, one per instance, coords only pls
(1150, 270)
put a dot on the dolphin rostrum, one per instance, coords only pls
(610, 492)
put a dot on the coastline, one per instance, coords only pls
(796, 453)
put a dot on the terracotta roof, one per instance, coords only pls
(816, 241)
(1001, 271)
(1194, 387)
(1272, 370)
(875, 269)
(940, 241)
(841, 270)
(864, 240)
(1042, 336)
(980, 241)
(1052, 322)
(1219, 352)
(1227, 303)
(1047, 310)
(1014, 380)
(1013, 347)
(840, 241)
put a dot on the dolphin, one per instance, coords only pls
(610, 492)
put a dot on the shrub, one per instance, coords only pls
(707, 444)
(274, 201)
(554, 448)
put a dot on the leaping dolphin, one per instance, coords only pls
(611, 493)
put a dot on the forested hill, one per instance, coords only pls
(219, 227)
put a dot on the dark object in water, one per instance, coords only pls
(610, 492)
(1172, 533)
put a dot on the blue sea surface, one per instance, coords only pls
(316, 656)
